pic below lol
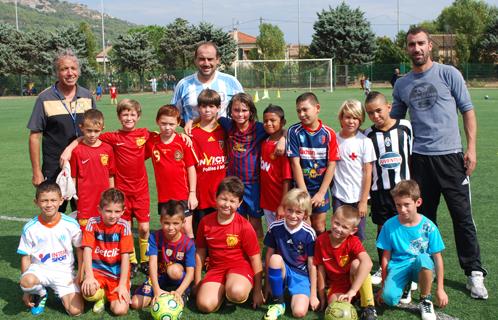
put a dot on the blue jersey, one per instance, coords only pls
(244, 150)
(181, 251)
(188, 89)
(315, 150)
(295, 246)
(406, 243)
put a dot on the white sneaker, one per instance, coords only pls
(427, 310)
(377, 277)
(475, 283)
(406, 298)
(414, 286)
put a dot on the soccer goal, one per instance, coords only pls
(307, 74)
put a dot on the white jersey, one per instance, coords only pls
(348, 176)
(189, 88)
(51, 247)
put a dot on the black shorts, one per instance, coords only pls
(382, 206)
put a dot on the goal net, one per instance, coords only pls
(285, 74)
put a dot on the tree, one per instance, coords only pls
(133, 52)
(155, 35)
(388, 52)
(271, 42)
(343, 34)
(489, 44)
(226, 44)
(469, 20)
(177, 44)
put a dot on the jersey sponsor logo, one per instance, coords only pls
(238, 147)
(179, 256)
(423, 96)
(314, 172)
(343, 260)
(387, 142)
(232, 240)
(265, 166)
(120, 143)
(140, 141)
(312, 153)
(104, 159)
(178, 155)
(212, 160)
(390, 160)
(108, 253)
(58, 256)
(43, 258)
(85, 161)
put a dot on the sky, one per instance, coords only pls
(246, 15)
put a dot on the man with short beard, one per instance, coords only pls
(432, 93)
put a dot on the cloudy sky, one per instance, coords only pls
(382, 14)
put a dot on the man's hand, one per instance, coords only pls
(188, 127)
(470, 162)
(37, 178)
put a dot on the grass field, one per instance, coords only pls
(16, 198)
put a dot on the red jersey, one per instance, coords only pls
(337, 261)
(227, 244)
(129, 151)
(113, 91)
(108, 243)
(211, 165)
(274, 171)
(170, 163)
(92, 167)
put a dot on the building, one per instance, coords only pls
(443, 48)
(245, 43)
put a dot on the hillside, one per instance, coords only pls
(48, 15)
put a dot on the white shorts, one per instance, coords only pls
(61, 282)
(270, 216)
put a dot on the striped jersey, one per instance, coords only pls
(51, 245)
(244, 150)
(393, 149)
(188, 89)
(169, 252)
(315, 150)
(294, 245)
(108, 243)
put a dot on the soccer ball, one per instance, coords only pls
(166, 308)
(486, 97)
(340, 311)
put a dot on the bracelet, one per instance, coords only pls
(192, 191)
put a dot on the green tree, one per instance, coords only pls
(10, 59)
(226, 44)
(469, 20)
(271, 42)
(388, 52)
(177, 45)
(155, 35)
(91, 44)
(344, 34)
(489, 44)
(133, 52)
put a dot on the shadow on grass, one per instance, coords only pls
(8, 251)
(456, 285)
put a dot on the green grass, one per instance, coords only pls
(16, 194)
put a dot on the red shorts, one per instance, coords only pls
(109, 284)
(113, 96)
(137, 206)
(340, 284)
(219, 273)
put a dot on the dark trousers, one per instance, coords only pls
(445, 174)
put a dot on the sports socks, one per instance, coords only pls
(133, 256)
(366, 293)
(143, 244)
(276, 284)
(37, 289)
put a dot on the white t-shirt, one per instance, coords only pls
(51, 247)
(355, 152)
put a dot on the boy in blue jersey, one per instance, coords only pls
(289, 258)
(312, 149)
(171, 259)
(46, 248)
(412, 248)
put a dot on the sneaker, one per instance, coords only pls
(475, 283)
(133, 270)
(427, 310)
(39, 302)
(99, 306)
(144, 267)
(414, 286)
(406, 298)
(368, 313)
(275, 311)
(377, 277)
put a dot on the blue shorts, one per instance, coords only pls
(296, 283)
(400, 274)
(165, 283)
(250, 201)
(326, 205)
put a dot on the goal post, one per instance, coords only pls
(285, 74)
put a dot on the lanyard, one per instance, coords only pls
(72, 114)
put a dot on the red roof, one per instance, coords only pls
(244, 38)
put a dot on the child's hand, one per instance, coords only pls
(26, 298)
(89, 286)
(186, 139)
(157, 295)
(280, 148)
(318, 200)
(347, 297)
(362, 209)
(65, 157)
(257, 298)
(442, 297)
(123, 293)
(178, 297)
(192, 201)
(314, 303)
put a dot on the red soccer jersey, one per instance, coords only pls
(129, 151)
(113, 91)
(226, 244)
(337, 261)
(170, 163)
(274, 171)
(92, 167)
(211, 168)
(107, 243)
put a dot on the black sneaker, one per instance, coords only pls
(133, 270)
(144, 267)
(368, 313)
